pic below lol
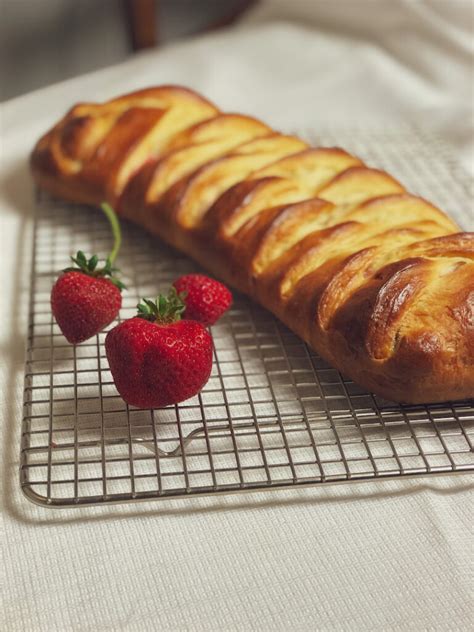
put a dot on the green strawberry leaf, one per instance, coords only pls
(118, 283)
(162, 303)
(81, 258)
(92, 263)
(143, 309)
(164, 309)
(151, 306)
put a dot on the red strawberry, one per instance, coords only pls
(83, 300)
(206, 299)
(83, 305)
(156, 359)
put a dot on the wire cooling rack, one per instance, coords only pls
(273, 413)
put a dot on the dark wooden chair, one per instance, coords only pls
(143, 21)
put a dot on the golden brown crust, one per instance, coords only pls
(94, 149)
(378, 281)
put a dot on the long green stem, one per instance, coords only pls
(116, 232)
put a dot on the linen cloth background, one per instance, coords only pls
(384, 555)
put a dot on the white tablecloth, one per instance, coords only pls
(389, 555)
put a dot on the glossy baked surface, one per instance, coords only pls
(378, 281)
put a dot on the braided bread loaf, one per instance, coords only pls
(378, 281)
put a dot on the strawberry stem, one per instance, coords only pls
(89, 266)
(116, 232)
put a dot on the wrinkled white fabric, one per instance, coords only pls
(385, 555)
(390, 59)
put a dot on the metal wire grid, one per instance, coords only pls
(273, 414)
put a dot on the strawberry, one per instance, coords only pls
(157, 359)
(206, 299)
(86, 298)
(83, 304)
